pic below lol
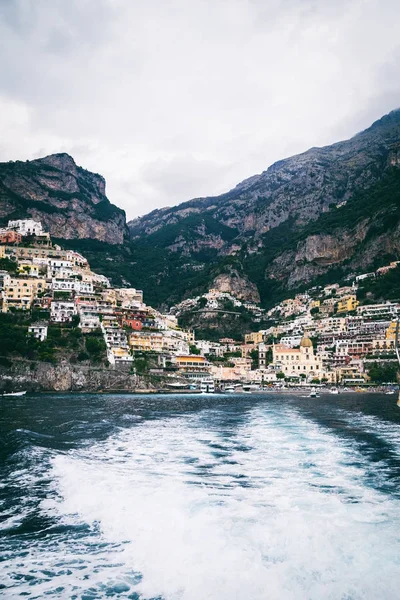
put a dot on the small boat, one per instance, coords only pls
(389, 393)
(334, 391)
(313, 393)
(229, 389)
(14, 394)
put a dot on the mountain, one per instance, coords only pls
(70, 201)
(316, 215)
(309, 219)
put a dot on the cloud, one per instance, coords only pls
(174, 100)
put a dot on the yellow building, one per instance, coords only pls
(391, 331)
(2, 251)
(146, 341)
(254, 338)
(315, 304)
(28, 268)
(294, 362)
(192, 363)
(20, 292)
(347, 304)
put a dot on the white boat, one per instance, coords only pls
(389, 393)
(334, 391)
(15, 394)
(207, 386)
(229, 389)
(313, 393)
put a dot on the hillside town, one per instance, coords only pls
(323, 336)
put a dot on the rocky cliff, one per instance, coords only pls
(269, 226)
(68, 200)
(66, 377)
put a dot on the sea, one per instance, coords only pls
(200, 497)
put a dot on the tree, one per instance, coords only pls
(202, 302)
(383, 373)
(194, 349)
(280, 375)
(254, 355)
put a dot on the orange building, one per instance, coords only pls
(10, 237)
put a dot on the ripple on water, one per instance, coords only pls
(206, 505)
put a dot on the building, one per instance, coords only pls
(5, 279)
(10, 237)
(263, 361)
(298, 362)
(386, 310)
(62, 311)
(26, 267)
(192, 366)
(146, 341)
(117, 356)
(26, 227)
(88, 322)
(72, 285)
(38, 331)
(254, 338)
(347, 303)
(21, 291)
(291, 340)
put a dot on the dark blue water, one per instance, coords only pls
(200, 497)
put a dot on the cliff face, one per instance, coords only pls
(68, 200)
(270, 224)
(237, 284)
(66, 377)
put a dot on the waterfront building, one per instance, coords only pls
(294, 362)
(192, 366)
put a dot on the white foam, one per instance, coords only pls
(207, 507)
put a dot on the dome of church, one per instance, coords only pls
(306, 343)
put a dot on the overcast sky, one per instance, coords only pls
(174, 99)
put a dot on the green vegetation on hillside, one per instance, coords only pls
(64, 341)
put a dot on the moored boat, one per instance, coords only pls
(14, 394)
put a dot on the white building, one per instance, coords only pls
(61, 311)
(38, 331)
(291, 340)
(119, 356)
(89, 321)
(26, 227)
(5, 279)
(72, 285)
(387, 309)
(207, 347)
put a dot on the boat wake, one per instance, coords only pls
(214, 505)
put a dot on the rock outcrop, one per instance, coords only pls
(66, 377)
(238, 285)
(68, 200)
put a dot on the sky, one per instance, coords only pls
(175, 99)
